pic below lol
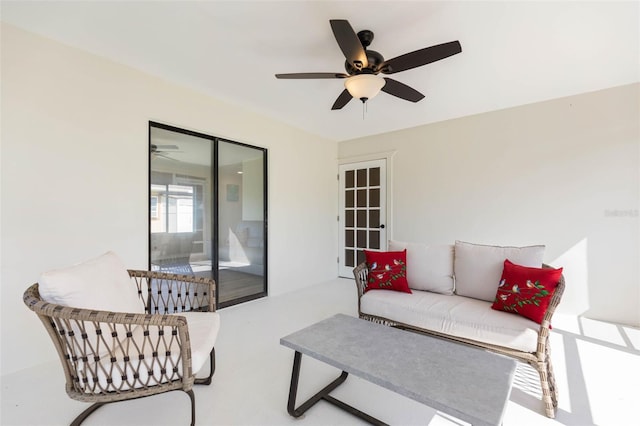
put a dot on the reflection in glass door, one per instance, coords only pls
(180, 206)
(241, 221)
(207, 211)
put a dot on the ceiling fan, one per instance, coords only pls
(364, 65)
(163, 151)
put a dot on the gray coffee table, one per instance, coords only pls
(468, 383)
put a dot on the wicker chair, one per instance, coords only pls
(540, 359)
(114, 356)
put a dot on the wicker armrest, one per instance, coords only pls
(33, 300)
(96, 347)
(545, 325)
(555, 300)
(167, 293)
(361, 274)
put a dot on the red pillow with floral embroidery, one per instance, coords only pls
(387, 270)
(526, 291)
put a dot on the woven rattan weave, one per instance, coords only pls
(540, 359)
(115, 356)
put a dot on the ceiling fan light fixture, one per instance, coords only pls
(364, 86)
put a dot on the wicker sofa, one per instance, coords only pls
(443, 305)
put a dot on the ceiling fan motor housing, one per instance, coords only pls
(374, 58)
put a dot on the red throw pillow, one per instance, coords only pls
(387, 270)
(526, 291)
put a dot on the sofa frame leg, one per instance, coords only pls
(549, 391)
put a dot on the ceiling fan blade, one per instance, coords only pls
(420, 57)
(349, 43)
(342, 100)
(401, 90)
(305, 75)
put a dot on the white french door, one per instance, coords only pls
(362, 216)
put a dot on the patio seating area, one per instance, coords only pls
(597, 367)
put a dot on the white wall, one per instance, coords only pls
(75, 175)
(565, 173)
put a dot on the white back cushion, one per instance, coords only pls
(429, 268)
(478, 268)
(102, 283)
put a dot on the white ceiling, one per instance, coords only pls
(513, 52)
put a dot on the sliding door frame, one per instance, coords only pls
(214, 206)
(265, 291)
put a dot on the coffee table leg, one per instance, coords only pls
(323, 394)
(293, 389)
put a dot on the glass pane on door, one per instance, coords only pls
(180, 204)
(241, 222)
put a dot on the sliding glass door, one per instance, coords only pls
(207, 211)
(241, 221)
(181, 203)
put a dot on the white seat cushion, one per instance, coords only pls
(429, 268)
(454, 315)
(203, 332)
(478, 267)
